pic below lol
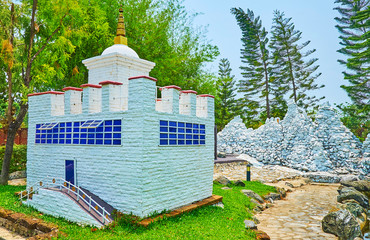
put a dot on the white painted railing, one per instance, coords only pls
(61, 184)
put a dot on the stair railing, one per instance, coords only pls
(34, 188)
(80, 194)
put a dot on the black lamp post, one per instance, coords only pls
(248, 172)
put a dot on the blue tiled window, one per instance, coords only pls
(90, 132)
(47, 126)
(181, 133)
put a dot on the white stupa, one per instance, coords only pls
(121, 61)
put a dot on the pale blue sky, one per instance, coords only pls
(314, 18)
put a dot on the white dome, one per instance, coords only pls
(121, 49)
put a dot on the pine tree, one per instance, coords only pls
(225, 105)
(256, 68)
(294, 75)
(353, 25)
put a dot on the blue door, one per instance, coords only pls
(70, 171)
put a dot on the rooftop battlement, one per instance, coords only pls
(113, 96)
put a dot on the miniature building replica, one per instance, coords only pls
(119, 147)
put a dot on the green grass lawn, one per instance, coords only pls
(208, 222)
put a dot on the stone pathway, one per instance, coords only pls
(7, 235)
(299, 215)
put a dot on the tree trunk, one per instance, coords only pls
(292, 77)
(294, 91)
(267, 91)
(12, 131)
(262, 49)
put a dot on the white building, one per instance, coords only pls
(119, 147)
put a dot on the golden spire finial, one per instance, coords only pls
(121, 32)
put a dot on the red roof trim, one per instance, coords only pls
(42, 93)
(171, 86)
(189, 91)
(72, 88)
(206, 95)
(110, 82)
(90, 85)
(147, 77)
(159, 99)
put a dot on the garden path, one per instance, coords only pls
(299, 215)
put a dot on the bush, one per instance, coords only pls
(356, 119)
(19, 158)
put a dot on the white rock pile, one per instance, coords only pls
(324, 145)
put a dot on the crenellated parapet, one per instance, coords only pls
(91, 98)
(50, 103)
(72, 100)
(112, 96)
(170, 99)
(185, 102)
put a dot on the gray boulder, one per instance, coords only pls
(359, 213)
(253, 195)
(362, 185)
(351, 193)
(289, 184)
(356, 210)
(281, 191)
(255, 220)
(239, 183)
(250, 224)
(342, 224)
(255, 202)
(223, 180)
(273, 196)
(221, 155)
(258, 207)
(17, 175)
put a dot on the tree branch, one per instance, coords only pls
(32, 35)
(48, 40)
(9, 112)
(44, 46)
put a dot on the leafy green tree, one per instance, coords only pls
(35, 43)
(353, 26)
(294, 74)
(44, 41)
(256, 69)
(225, 103)
(163, 34)
(356, 119)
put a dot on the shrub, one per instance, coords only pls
(19, 158)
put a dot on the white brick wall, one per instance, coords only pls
(202, 104)
(57, 104)
(76, 103)
(185, 103)
(139, 176)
